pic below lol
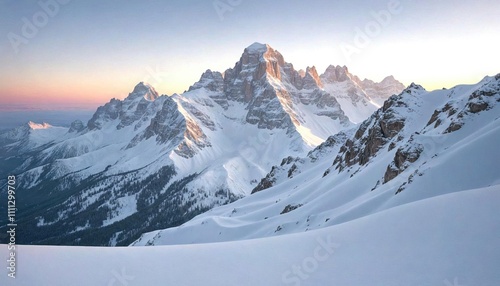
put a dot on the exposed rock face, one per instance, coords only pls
(291, 166)
(194, 136)
(358, 99)
(402, 159)
(311, 79)
(454, 126)
(143, 90)
(168, 125)
(362, 89)
(452, 115)
(193, 108)
(289, 208)
(255, 61)
(326, 147)
(130, 110)
(325, 103)
(288, 166)
(295, 78)
(378, 92)
(272, 89)
(448, 109)
(110, 111)
(475, 107)
(484, 99)
(334, 74)
(248, 83)
(210, 80)
(374, 133)
(369, 139)
(266, 110)
(266, 182)
(302, 73)
(76, 126)
(137, 105)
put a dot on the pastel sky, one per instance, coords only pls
(81, 53)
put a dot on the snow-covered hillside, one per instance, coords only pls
(418, 145)
(447, 240)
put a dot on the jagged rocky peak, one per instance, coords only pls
(257, 62)
(396, 100)
(374, 133)
(261, 52)
(414, 87)
(128, 110)
(139, 104)
(380, 91)
(143, 90)
(267, 60)
(335, 74)
(107, 112)
(453, 115)
(389, 80)
(211, 80)
(166, 125)
(76, 126)
(253, 54)
(311, 78)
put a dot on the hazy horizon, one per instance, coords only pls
(63, 118)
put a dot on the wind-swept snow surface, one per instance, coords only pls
(418, 145)
(446, 240)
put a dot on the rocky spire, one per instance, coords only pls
(311, 78)
(143, 90)
(335, 74)
(210, 80)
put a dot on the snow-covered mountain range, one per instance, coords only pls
(264, 175)
(149, 162)
(417, 146)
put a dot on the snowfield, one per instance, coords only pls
(445, 240)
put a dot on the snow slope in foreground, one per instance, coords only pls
(453, 239)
